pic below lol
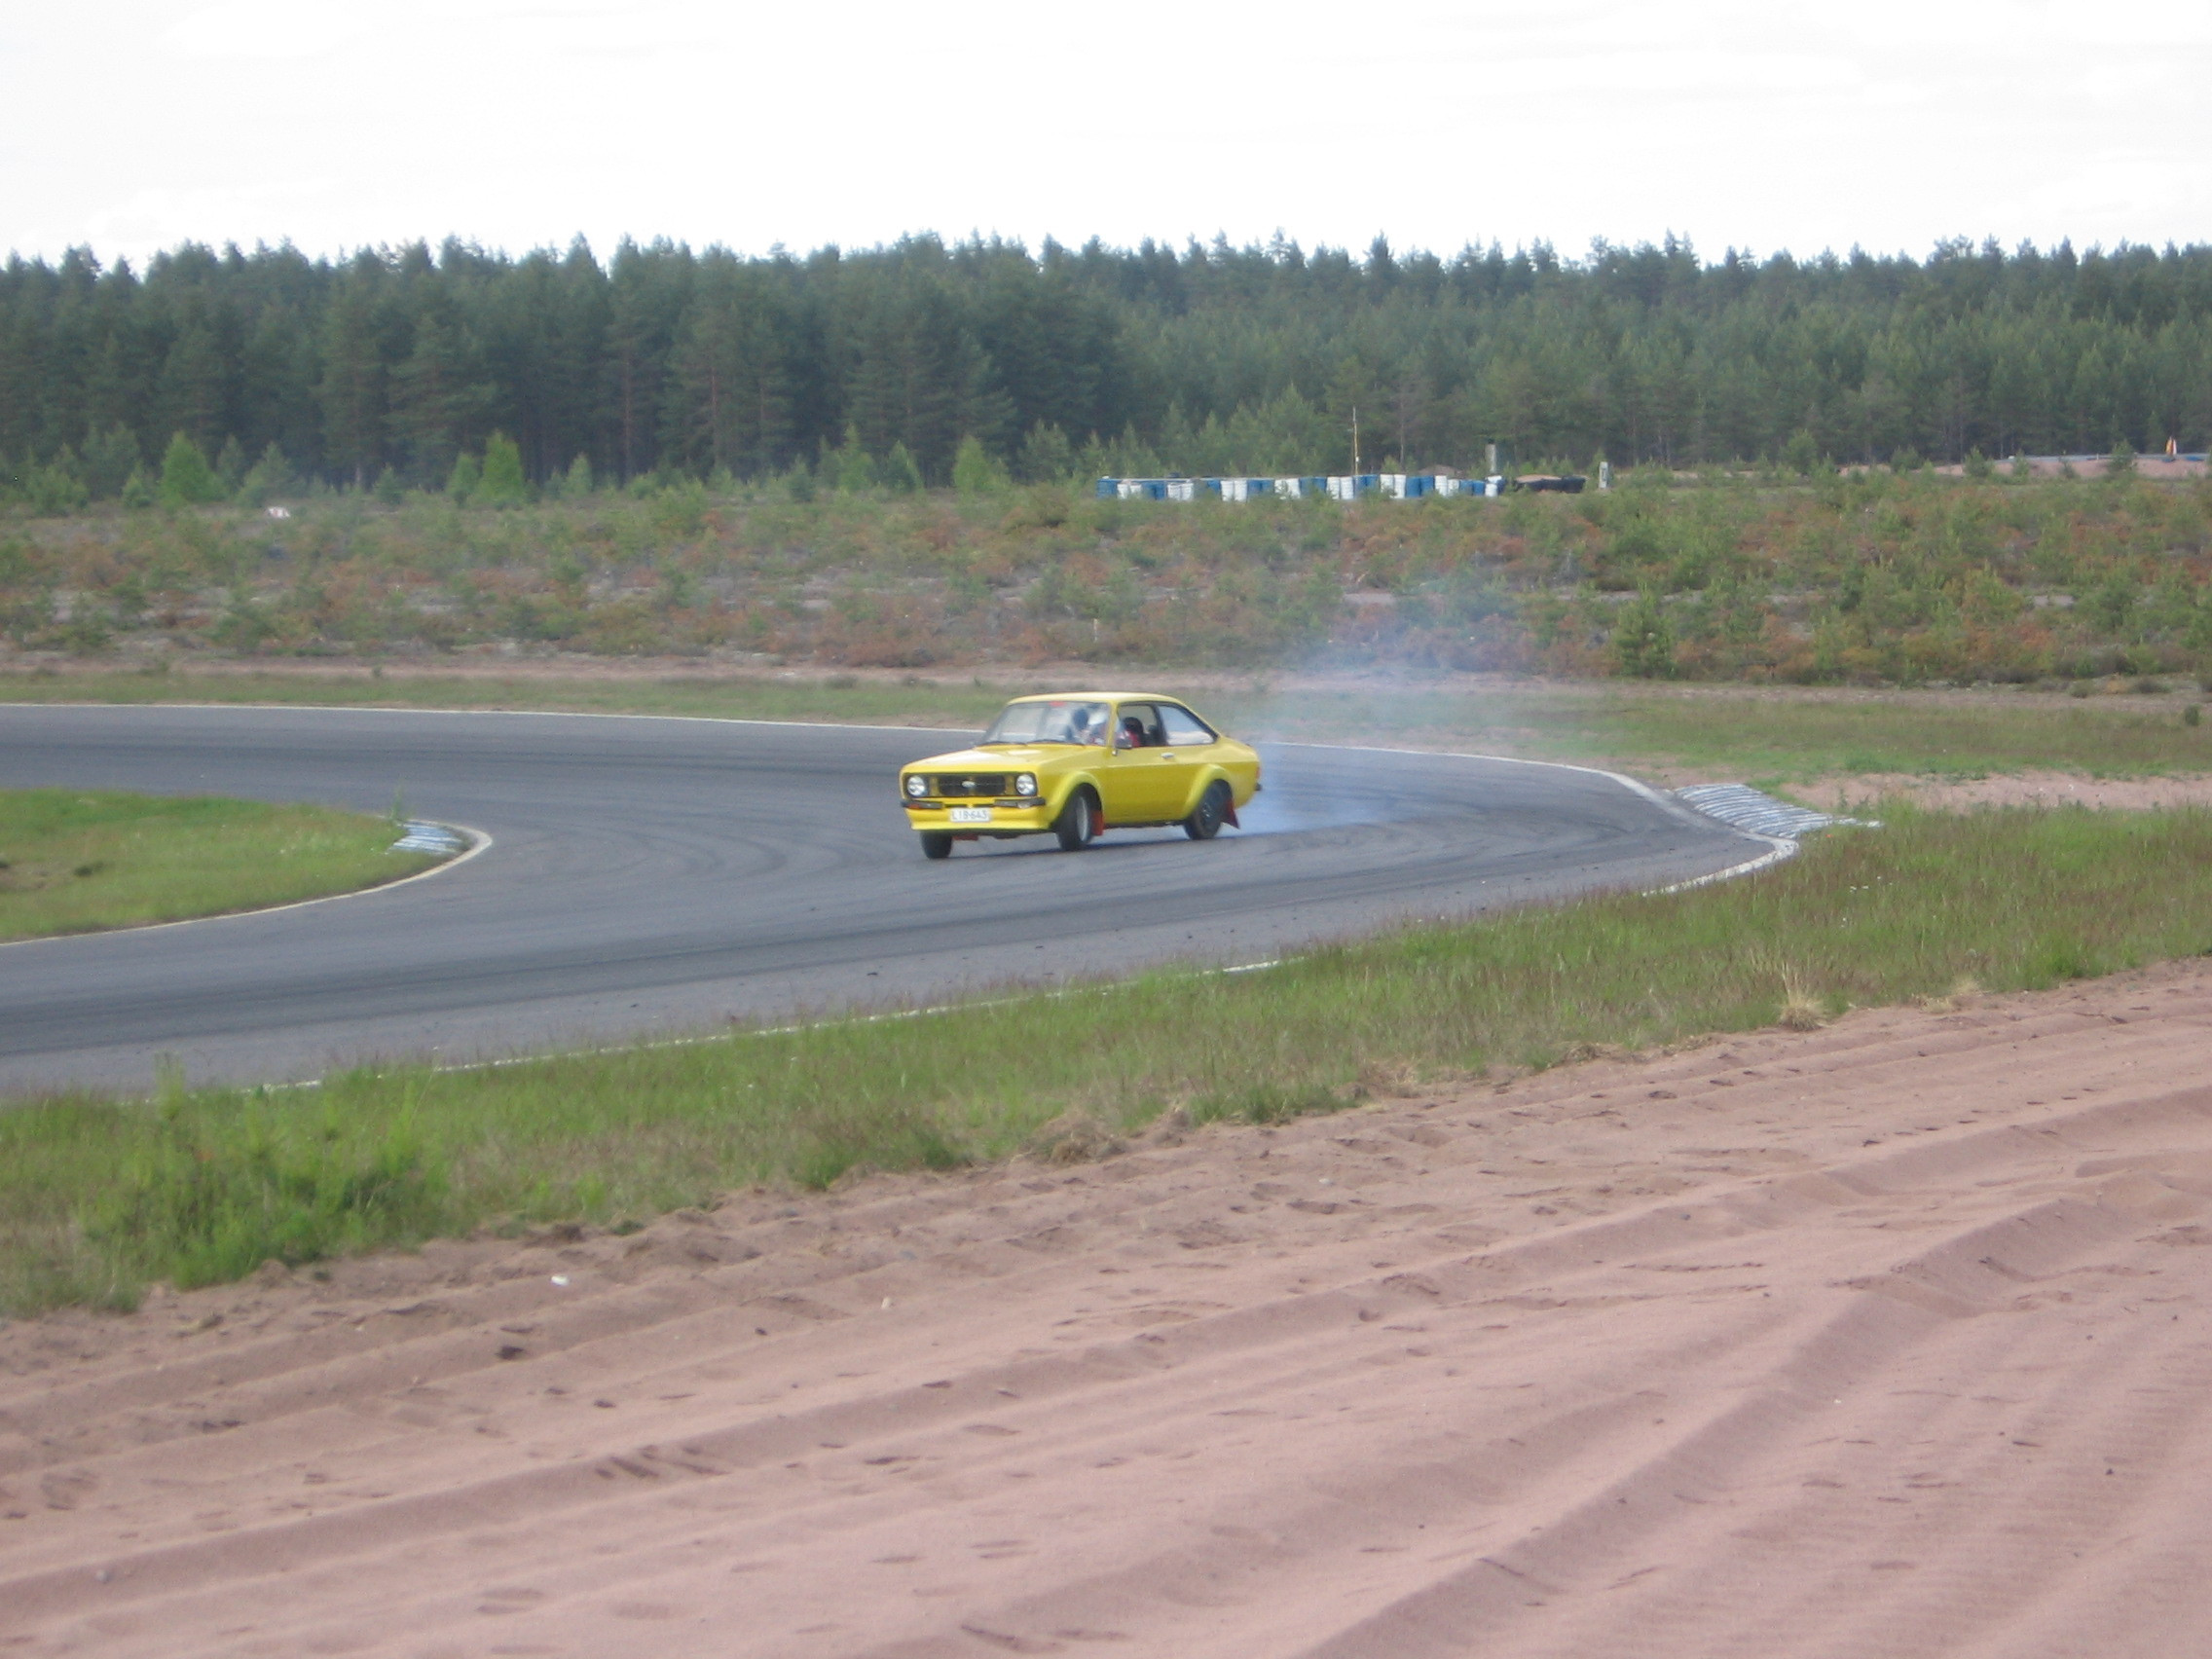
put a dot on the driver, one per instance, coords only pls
(1132, 732)
(1081, 730)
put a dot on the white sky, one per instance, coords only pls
(138, 124)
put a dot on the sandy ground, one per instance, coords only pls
(1894, 1337)
(2017, 789)
(2157, 468)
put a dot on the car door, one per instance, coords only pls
(1135, 780)
(1188, 741)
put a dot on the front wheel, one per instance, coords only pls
(936, 844)
(1205, 822)
(1076, 826)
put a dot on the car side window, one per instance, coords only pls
(1182, 728)
(1136, 726)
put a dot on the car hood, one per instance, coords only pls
(1001, 759)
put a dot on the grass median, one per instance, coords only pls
(79, 861)
(201, 1185)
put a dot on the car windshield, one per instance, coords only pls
(1049, 720)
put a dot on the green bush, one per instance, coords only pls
(976, 472)
(1643, 645)
(502, 484)
(187, 480)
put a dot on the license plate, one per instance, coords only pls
(970, 815)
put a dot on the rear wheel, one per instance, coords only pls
(1205, 822)
(936, 844)
(1076, 826)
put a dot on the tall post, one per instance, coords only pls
(1356, 443)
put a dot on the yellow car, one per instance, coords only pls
(1076, 764)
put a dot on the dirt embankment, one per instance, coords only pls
(1892, 1338)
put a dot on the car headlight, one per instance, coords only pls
(917, 786)
(1025, 784)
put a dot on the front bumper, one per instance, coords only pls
(1007, 817)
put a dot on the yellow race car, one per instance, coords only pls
(1076, 764)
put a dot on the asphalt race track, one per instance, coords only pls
(659, 875)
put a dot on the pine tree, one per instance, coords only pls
(55, 489)
(353, 391)
(109, 459)
(187, 480)
(502, 484)
(266, 479)
(976, 472)
(193, 395)
(462, 481)
(902, 474)
(1047, 457)
(1643, 644)
(848, 466)
(438, 401)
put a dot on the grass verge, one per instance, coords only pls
(1776, 736)
(196, 1186)
(1769, 734)
(849, 699)
(77, 861)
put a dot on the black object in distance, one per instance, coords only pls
(1563, 483)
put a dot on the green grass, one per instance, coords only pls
(843, 698)
(76, 861)
(1778, 734)
(99, 1196)
(1783, 735)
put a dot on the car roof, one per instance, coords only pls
(1097, 697)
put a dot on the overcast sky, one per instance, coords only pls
(136, 125)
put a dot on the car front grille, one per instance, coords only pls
(969, 786)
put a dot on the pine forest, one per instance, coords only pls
(1210, 360)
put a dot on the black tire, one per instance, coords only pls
(1205, 822)
(1076, 826)
(936, 844)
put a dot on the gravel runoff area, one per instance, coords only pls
(1889, 1338)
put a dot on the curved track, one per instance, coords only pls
(660, 874)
